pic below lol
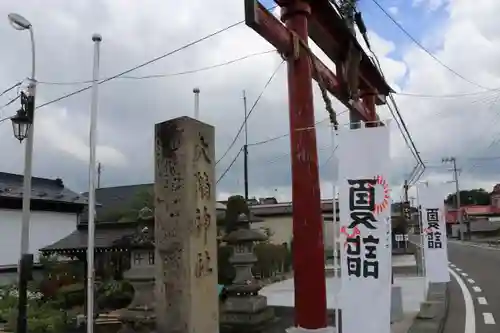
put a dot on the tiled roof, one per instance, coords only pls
(78, 239)
(42, 189)
(116, 198)
(471, 210)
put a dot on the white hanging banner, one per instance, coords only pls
(365, 222)
(434, 230)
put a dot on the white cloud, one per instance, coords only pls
(431, 5)
(393, 10)
(469, 41)
(59, 132)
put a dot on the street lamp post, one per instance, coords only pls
(25, 120)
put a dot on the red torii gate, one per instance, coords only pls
(320, 21)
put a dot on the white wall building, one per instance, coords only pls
(55, 212)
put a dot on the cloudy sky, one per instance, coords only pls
(447, 115)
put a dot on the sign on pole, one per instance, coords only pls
(365, 222)
(434, 231)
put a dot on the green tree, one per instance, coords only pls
(470, 197)
(236, 205)
(143, 199)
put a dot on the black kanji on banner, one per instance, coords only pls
(362, 257)
(433, 230)
(362, 202)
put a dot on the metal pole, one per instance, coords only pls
(336, 259)
(196, 92)
(96, 38)
(245, 147)
(422, 241)
(26, 260)
(457, 187)
(308, 242)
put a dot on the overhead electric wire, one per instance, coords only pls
(185, 46)
(399, 119)
(414, 40)
(456, 95)
(494, 139)
(250, 112)
(329, 157)
(154, 76)
(10, 88)
(395, 112)
(6, 105)
(229, 166)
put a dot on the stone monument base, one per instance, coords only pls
(137, 320)
(396, 304)
(246, 321)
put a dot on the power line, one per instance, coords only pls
(155, 76)
(185, 46)
(457, 95)
(10, 88)
(426, 50)
(494, 137)
(6, 105)
(250, 112)
(329, 157)
(258, 143)
(230, 166)
(401, 123)
(149, 61)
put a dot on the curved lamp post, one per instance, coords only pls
(23, 128)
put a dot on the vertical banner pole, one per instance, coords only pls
(336, 258)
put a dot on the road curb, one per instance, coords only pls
(434, 311)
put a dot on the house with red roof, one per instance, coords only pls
(482, 219)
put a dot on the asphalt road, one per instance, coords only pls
(474, 289)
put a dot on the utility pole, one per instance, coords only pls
(457, 195)
(245, 147)
(99, 170)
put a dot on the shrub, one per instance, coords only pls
(114, 294)
(43, 316)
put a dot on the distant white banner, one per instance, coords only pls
(434, 230)
(365, 222)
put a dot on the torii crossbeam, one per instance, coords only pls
(319, 20)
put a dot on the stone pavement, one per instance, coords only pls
(281, 294)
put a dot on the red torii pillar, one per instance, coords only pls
(308, 247)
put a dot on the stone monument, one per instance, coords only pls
(185, 227)
(244, 310)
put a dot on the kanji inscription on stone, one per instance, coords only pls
(185, 227)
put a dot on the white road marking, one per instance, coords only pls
(470, 319)
(476, 289)
(482, 300)
(452, 265)
(458, 269)
(480, 246)
(464, 274)
(471, 281)
(488, 318)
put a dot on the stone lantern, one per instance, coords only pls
(244, 309)
(141, 275)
